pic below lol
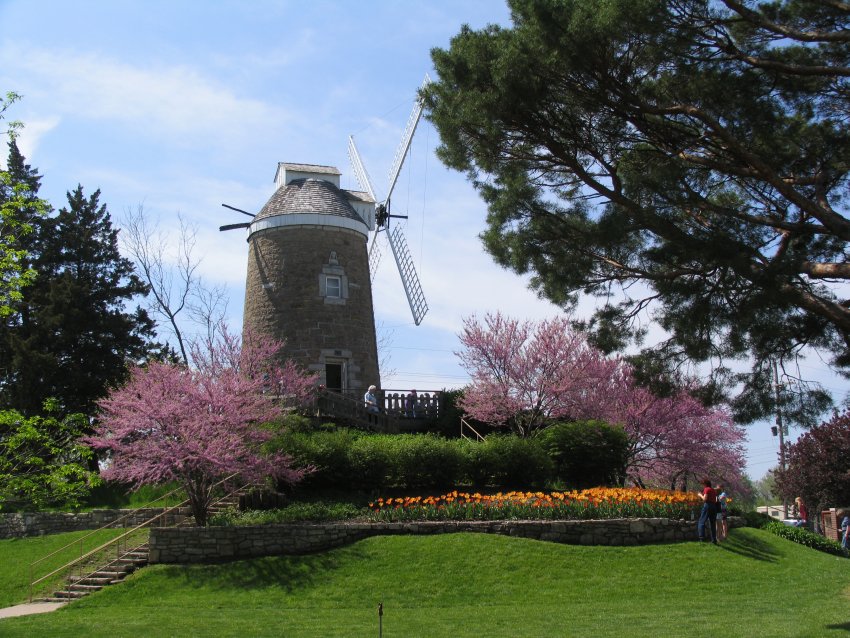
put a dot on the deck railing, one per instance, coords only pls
(426, 405)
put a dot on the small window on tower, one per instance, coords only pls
(333, 287)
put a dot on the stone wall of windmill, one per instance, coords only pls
(308, 276)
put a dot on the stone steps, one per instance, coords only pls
(113, 572)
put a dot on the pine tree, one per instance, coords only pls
(20, 210)
(74, 336)
(683, 161)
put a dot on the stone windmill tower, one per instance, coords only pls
(309, 280)
(308, 275)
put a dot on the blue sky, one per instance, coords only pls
(183, 106)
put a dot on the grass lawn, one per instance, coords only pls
(17, 554)
(755, 584)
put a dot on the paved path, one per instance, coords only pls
(29, 608)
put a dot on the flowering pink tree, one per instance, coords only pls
(676, 440)
(524, 376)
(200, 425)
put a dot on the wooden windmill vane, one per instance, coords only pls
(309, 277)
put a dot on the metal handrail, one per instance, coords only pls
(92, 552)
(465, 423)
(109, 525)
(115, 540)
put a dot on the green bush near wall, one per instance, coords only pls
(508, 461)
(587, 453)
(328, 451)
(353, 460)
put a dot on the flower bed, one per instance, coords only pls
(595, 503)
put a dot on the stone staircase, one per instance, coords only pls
(111, 573)
(229, 502)
(113, 562)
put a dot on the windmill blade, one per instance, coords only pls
(234, 226)
(409, 278)
(406, 139)
(360, 172)
(374, 256)
(239, 210)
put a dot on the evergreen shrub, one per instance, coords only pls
(371, 457)
(587, 453)
(805, 537)
(426, 461)
(327, 450)
(506, 460)
(315, 512)
(357, 461)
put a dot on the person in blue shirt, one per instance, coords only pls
(370, 399)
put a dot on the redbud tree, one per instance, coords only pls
(818, 465)
(198, 425)
(527, 375)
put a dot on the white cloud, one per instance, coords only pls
(174, 102)
(32, 133)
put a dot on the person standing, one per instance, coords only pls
(802, 513)
(722, 510)
(371, 400)
(410, 404)
(708, 513)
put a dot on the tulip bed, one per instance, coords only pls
(595, 503)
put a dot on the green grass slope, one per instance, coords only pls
(17, 554)
(755, 584)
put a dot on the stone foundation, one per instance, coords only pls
(19, 525)
(213, 544)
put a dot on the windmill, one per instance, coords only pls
(309, 278)
(383, 214)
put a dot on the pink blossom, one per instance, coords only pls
(525, 375)
(200, 425)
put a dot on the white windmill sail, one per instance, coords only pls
(396, 239)
(409, 279)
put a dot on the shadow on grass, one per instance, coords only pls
(287, 573)
(845, 626)
(750, 546)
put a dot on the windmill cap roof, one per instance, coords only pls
(308, 195)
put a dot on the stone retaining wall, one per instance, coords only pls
(18, 525)
(212, 544)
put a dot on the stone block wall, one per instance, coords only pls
(213, 544)
(19, 525)
(283, 298)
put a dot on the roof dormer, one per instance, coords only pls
(287, 172)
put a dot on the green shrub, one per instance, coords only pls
(356, 461)
(326, 450)
(805, 537)
(371, 462)
(112, 495)
(425, 461)
(587, 453)
(756, 519)
(448, 422)
(297, 512)
(506, 460)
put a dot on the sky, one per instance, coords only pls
(182, 106)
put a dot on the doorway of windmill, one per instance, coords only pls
(333, 376)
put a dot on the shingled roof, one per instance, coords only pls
(308, 196)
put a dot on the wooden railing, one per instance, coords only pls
(354, 411)
(426, 405)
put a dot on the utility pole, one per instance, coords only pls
(780, 429)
